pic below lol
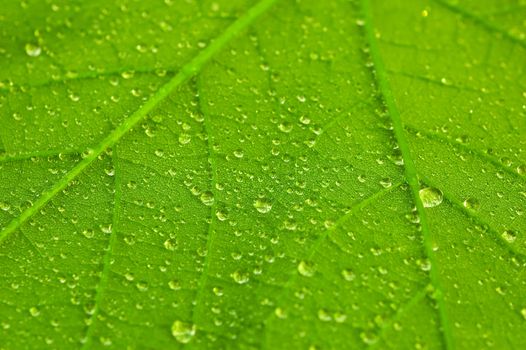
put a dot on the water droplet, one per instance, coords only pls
(386, 182)
(262, 205)
(280, 313)
(523, 313)
(34, 311)
(33, 50)
(218, 291)
(324, 316)
(238, 153)
(142, 286)
(285, 127)
(89, 233)
(222, 214)
(348, 275)
(170, 244)
(430, 197)
(107, 229)
(306, 268)
(240, 277)
(509, 235)
(5, 206)
(174, 285)
(369, 337)
(207, 198)
(339, 317)
(183, 332)
(184, 138)
(471, 203)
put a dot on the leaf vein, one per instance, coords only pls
(382, 79)
(190, 69)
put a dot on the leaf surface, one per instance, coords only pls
(272, 174)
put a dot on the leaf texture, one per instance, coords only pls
(274, 174)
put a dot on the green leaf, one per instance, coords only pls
(274, 174)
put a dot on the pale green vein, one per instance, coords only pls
(410, 169)
(436, 82)
(477, 218)
(481, 22)
(103, 282)
(415, 299)
(189, 70)
(433, 136)
(83, 76)
(213, 181)
(323, 236)
(15, 157)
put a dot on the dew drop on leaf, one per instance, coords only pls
(471, 203)
(348, 275)
(183, 332)
(430, 196)
(174, 285)
(89, 233)
(262, 205)
(222, 215)
(34, 311)
(184, 138)
(306, 268)
(324, 315)
(240, 277)
(509, 235)
(280, 313)
(207, 198)
(170, 244)
(33, 50)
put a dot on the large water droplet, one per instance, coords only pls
(430, 196)
(183, 332)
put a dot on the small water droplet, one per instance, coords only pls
(183, 332)
(184, 138)
(89, 233)
(306, 268)
(33, 50)
(430, 197)
(238, 153)
(509, 235)
(324, 315)
(240, 277)
(174, 285)
(262, 205)
(34, 311)
(348, 275)
(471, 203)
(280, 313)
(222, 214)
(285, 127)
(369, 337)
(170, 244)
(386, 182)
(142, 286)
(207, 198)
(5, 206)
